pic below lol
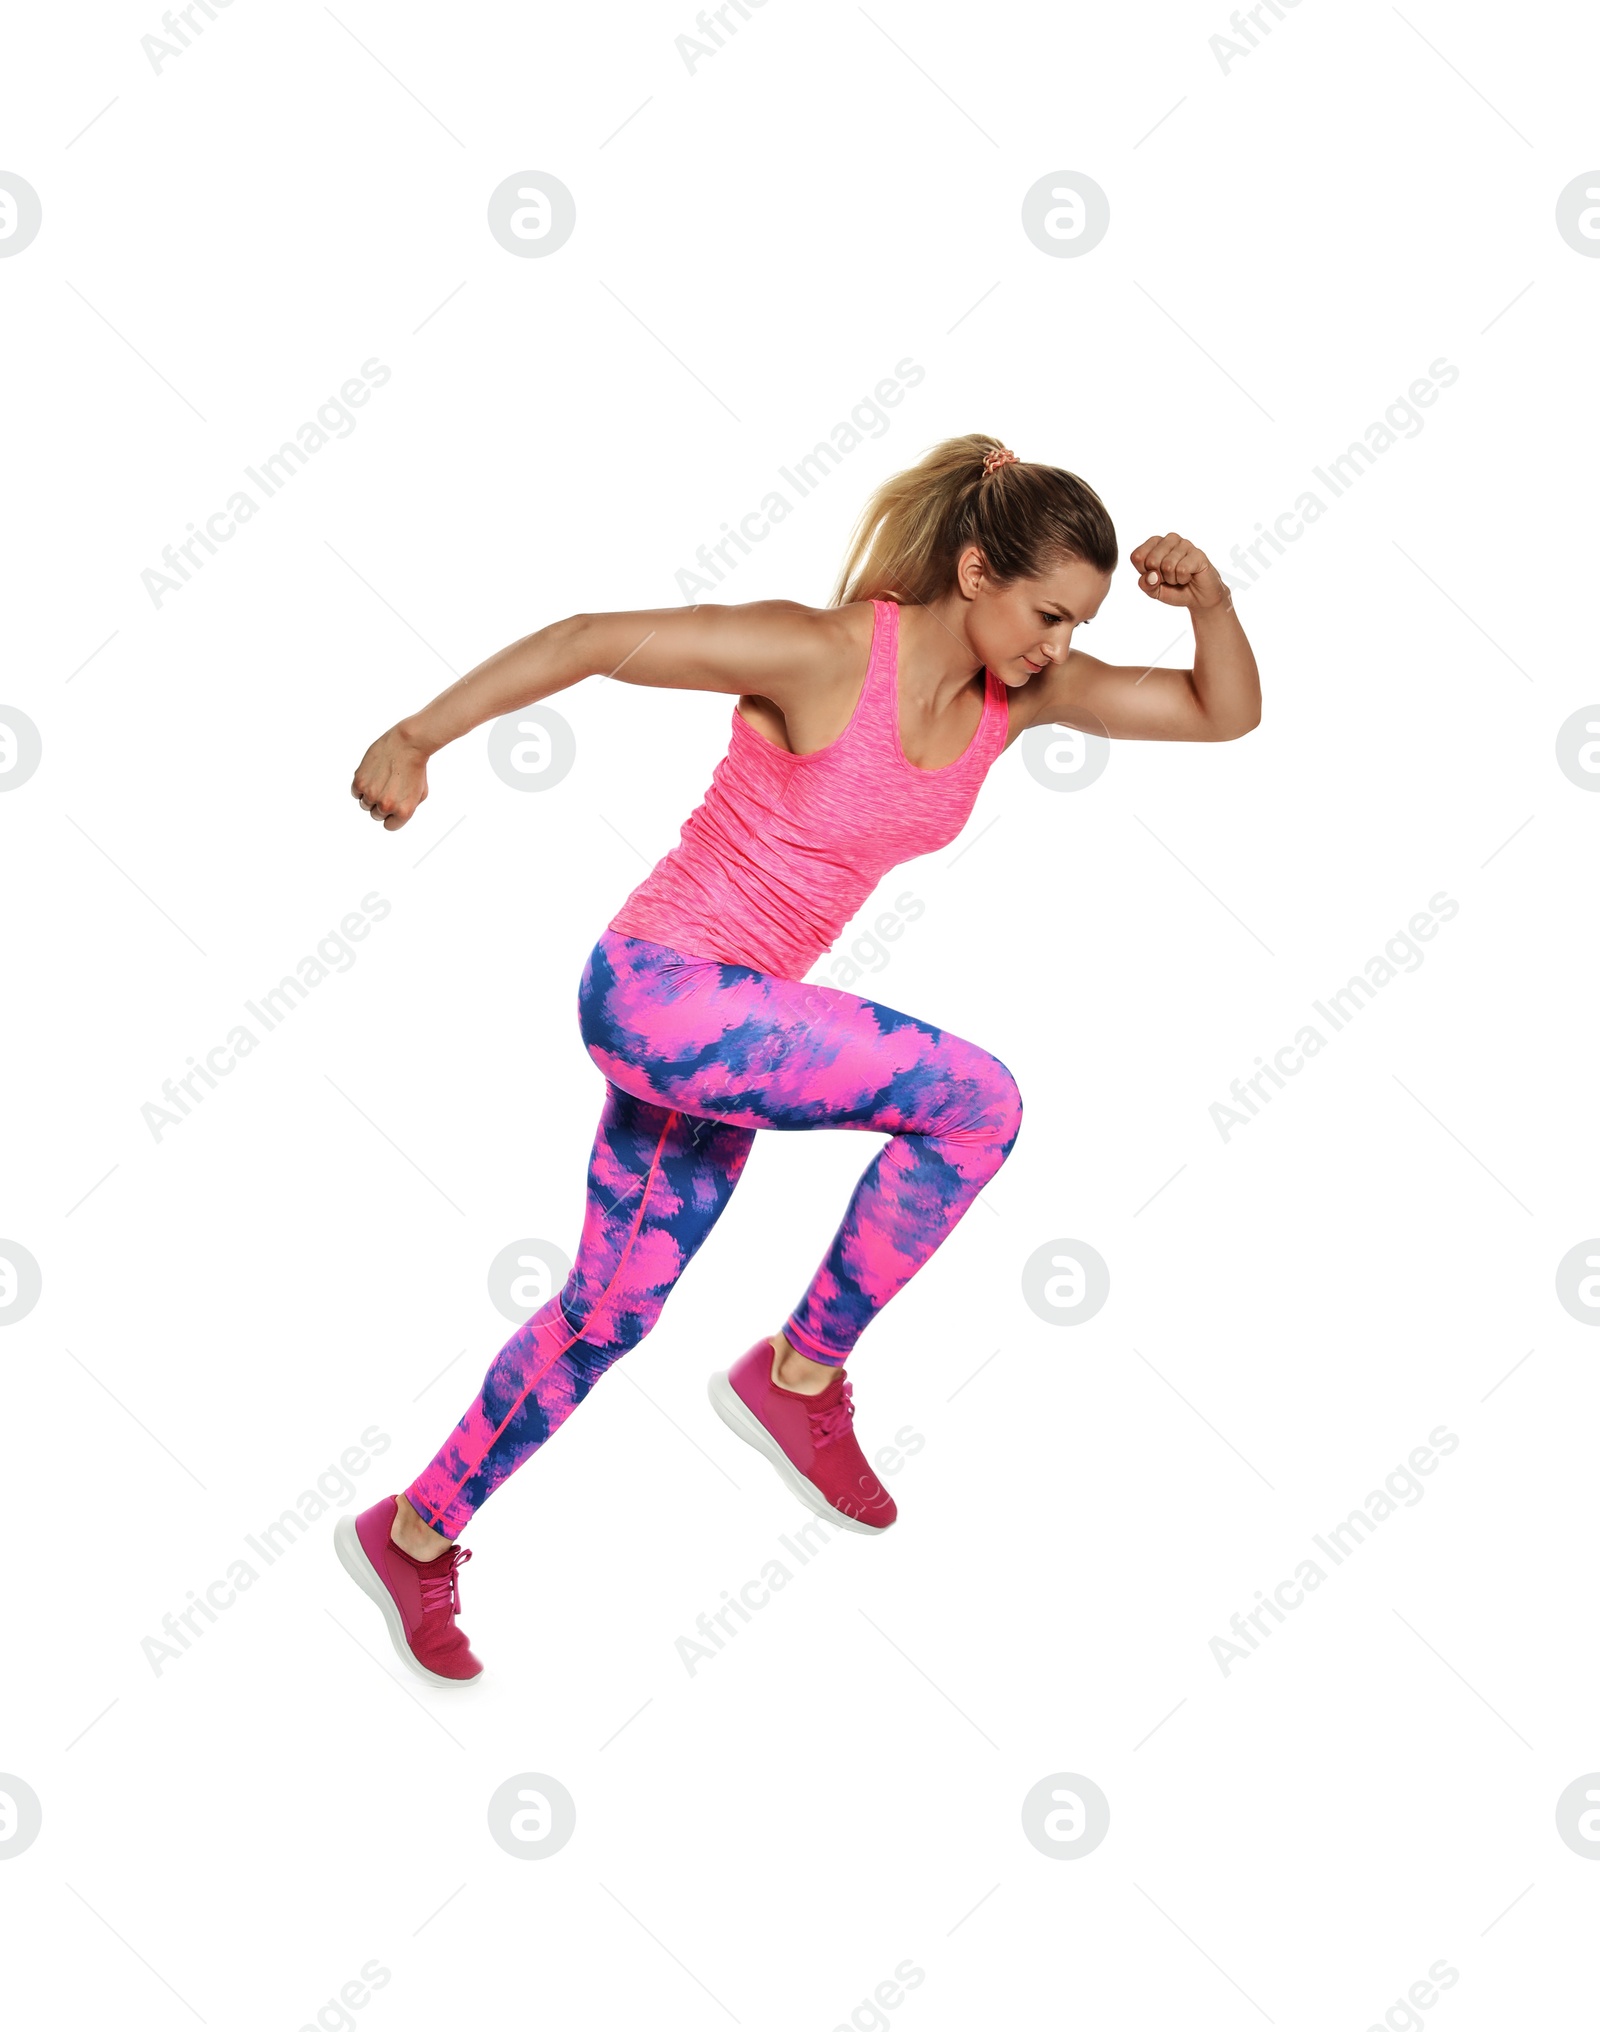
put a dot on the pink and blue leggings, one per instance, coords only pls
(698, 1054)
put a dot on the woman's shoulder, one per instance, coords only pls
(806, 683)
(815, 645)
(814, 630)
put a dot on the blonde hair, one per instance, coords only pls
(1024, 518)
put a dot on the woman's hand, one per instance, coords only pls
(1177, 574)
(392, 778)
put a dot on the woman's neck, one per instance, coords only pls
(937, 663)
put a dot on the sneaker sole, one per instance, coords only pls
(731, 1408)
(353, 1558)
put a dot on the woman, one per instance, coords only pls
(964, 582)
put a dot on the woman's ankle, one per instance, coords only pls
(792, 1370)
(414, 1536)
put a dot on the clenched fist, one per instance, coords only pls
(391, 779)
(1174, 572)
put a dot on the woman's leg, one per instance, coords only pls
(698, 1054)
(658, 1179)
(753, 1049)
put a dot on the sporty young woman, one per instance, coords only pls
(861, 732)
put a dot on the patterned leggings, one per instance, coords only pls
(698, 1055)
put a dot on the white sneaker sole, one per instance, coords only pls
(731, 1408)
(353, 1558)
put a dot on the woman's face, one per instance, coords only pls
(1019, 628)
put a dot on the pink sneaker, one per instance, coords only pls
(420, 1598)
(811, 1441)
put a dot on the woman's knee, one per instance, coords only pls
(600, 1334)
(990, 1104)
(1007, 1107)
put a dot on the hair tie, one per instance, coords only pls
(993, 461)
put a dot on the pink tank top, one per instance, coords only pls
(784, 849)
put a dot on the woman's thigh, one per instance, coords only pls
(739, 1045)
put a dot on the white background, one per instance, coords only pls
(1292, 1310)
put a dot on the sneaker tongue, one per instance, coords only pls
(830, 1409)
(438, 1588)
(833, 1389)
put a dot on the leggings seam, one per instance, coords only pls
(539, 1374)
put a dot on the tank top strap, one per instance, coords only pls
(996, 720)
(878, 715)
(885, 653)
(874, 720)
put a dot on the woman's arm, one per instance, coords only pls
(1219, 699)
(777, 649)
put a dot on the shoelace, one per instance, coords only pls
(835, 1420)
(441, 1581)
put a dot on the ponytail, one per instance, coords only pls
(1024, 518)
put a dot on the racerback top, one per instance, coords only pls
(784, 849)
